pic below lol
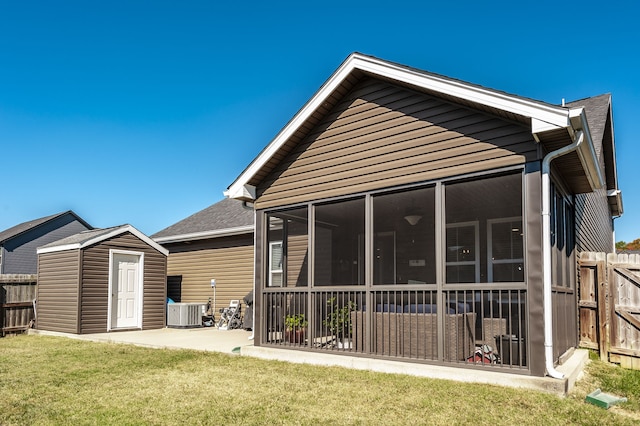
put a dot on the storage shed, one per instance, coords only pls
(102, 280)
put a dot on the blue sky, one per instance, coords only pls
(144, 112)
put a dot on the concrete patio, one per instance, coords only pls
(201, 339)
(238, 342)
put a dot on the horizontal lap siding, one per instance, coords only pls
(95, 290)
(57, 300)
(231, 265)
(594, 226)
(382, 135)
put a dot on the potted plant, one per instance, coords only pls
(295, 328)
(338, 321)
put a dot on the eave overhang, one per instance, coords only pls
(228, 232)
(103, 237)
(542, 117)
(614, 197)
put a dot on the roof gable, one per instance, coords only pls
(540, 116)
(95, 236)
(24, 227)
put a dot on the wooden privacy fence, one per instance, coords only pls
(609, 306)
(17, 294)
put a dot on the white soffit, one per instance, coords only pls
(543, 116)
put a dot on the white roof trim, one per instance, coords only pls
(239, 230)
(544, 116)
(114, 233)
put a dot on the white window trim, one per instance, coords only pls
(271, 270)
(490, 261)
(475, 262)
(140, 284)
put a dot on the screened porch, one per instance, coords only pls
(432, 273)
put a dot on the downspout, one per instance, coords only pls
(253, 324)
(546, 251)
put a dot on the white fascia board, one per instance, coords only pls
(540, 113)
(241, 192)
(114, 233)
(239, 230)
(58, 248)
(553, 115)
(616, 194)
(147, 240)
(587, 152)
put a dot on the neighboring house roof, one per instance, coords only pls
(554, 126)
(224, 218)
(20, 229)
(89, 238)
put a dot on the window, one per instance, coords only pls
(562, 240)
(288, 255)
(484, 234)
(275, 264)
(463, 263)
(339, 259)
(404, 237)
(505, 257)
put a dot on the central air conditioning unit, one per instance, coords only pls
(185, 314)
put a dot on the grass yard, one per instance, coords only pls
(55, 380)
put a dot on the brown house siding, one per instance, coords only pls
(228, 260)
(96, 283)
(383, 135)
(58, 288)
(594, 226)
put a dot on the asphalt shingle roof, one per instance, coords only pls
(82, 237)
(26, 226)
(225, 214)
(597, 110)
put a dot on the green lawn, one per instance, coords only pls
(54, 380)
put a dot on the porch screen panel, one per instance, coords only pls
(339, 243)
(404, 237)
(484, 232)
(288, 248)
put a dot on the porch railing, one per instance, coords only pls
(481, 327)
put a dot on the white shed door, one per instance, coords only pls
(125, 288)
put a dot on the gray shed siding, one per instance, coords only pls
(19, 254)
(381, 135)
(58, 291)
(95, 283)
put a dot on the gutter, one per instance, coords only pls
(546, 250)
(227, 232)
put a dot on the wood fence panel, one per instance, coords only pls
(610, 299)
(588, 302)
(17, 293)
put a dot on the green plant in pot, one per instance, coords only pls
(338, 320)
(295, 328)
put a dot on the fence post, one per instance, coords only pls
(603, 302)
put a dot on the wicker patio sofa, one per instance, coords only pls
(411, 331)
